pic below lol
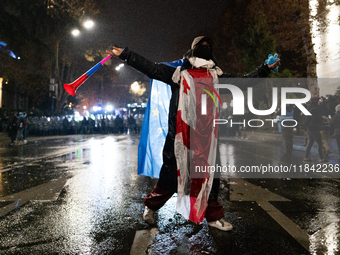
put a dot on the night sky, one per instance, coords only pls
(161, 30)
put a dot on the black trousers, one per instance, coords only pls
(314, 136)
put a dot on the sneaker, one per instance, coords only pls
(221, 224)
(148, 215)
(307, 160)
(324, 161)
(327, 152)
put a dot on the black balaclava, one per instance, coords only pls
(203, 51)
(199, 50)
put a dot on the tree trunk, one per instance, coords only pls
(62, 94)
(309, 49)
(311, 62)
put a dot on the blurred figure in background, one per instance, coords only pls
(325, 128)
(23, 128)
(13, 127)
(132, 124)
(313, 124)
(335, 123)
(287, 128)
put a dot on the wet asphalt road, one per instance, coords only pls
(81, 195)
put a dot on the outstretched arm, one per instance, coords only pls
(153, 70)
(261, 71)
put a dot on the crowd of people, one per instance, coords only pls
(319, 127)
(19, 125)
(315, 129)
(16, 127)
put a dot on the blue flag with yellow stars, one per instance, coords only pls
(155, 127)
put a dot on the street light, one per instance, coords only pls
(119, 67)
(88, 24)
(75, 32)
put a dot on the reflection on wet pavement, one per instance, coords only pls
(100, 208)
(326, 241)
(91, 210)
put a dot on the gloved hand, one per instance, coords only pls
(271, 60)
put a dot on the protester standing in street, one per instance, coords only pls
(325, 128)
(13, 128)
(23, 125)
(297, 117)
(199, 58)
(287, 128)
(314, 124)
(335, 123)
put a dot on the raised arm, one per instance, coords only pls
(261, 71)
(153, 70)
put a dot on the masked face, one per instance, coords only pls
(203, 51)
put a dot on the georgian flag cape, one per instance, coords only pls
(196, 139)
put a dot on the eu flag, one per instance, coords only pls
(155, 127)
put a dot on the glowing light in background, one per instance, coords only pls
(96, 108)
(75, 32)
(109, 108)
(119, 67)
(137, 88)
(77, 116)
(88, 24)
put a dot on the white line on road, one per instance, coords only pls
(45, 192)
(245, 191)
(142, 240)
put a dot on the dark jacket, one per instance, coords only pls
(162, 72)
(335, 122)
(314, 122)
(13, 126)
